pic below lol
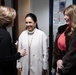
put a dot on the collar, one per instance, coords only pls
(31, 32)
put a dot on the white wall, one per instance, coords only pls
(41, 9)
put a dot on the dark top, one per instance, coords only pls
(7, 57)
(68, 56)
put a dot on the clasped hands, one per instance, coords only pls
(59, 65)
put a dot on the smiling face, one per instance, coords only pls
(30, 24)
(69, 14)
(67, 19)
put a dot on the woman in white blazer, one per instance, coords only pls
(35, 42)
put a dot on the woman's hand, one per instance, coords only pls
(59, 67)
(60, 64)
(22, 52)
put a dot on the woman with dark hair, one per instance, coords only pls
(35, 42)
(34, 18)
(7, 57)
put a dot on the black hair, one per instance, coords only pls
(34, 18)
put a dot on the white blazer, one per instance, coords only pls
(38, 53)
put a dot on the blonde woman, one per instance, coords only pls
(65, 44)
(7, 57)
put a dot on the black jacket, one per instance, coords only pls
(7, 57)
(68, 56)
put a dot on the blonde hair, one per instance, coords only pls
(7, 15)
(71, 12)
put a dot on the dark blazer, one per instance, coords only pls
(68, 56)
(7, 57)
